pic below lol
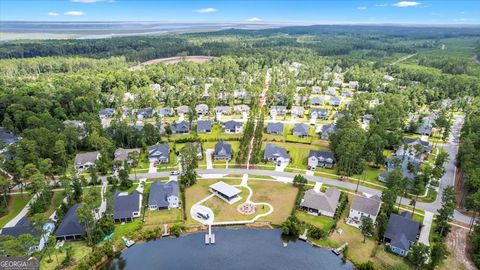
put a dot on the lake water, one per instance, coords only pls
(241, 249)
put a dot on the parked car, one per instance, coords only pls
(174, 173)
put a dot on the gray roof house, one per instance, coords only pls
(24, 226)
(159, 153)
(410, 148)
(328, 130)
(223, 151)
(320, 159)
(79, 125)
(346, 93)
(334, 101)
(204, 126)
(182, 109)
(122, 154)
(180, 127)
(145, 113)
(86, 160)
(331, 91)
(126, 207)
(301, 130)
(401, 233)
(106, 113)
(316, 101)
(276, 154)
(7, 138)
(353, 84)
(319, 114)
(316, 89)
(426, 145)
(233, 127)
(362, 207)
(297, 111)
(337, 83)
(163, 195)
(404, 164)
(278, 110)
(166, 111)
(201, 109)
(426, 127)
(275, 128)
(70, 227)
(224, 110)
(319, 203)
(241, 108)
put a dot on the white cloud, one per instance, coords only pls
(381, 5)
(206, 10)
(254, 19)
(403, 4)
(52, 14)
(74, 13)
(361, 8)
(463, 20)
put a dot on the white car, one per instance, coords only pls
(174, 173)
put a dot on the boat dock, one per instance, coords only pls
(210, 237)
(303, 237)
(166, 232)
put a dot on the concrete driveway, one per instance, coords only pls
(152, 168)
(208, 158)
(427, 225)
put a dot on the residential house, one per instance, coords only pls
(321, 203)
(337, 83)
(276, 154)
(70, 227)
(126, 207)
(201, 109)
(278, 110)
(166, 111)
(328, 130)
(223, 151)
(301, 130)
(362, 207)
(86, 160)
(159, 153)
(353, 84)
(240, 94)
(316, 89)
(144, 113)
(334, 101)
(405, 163)
(233, 127)
(7, 138)
(410, 148)
(320, 159)
(106, 113)
(80, 126)
(331, 91)
(319, 114)
(316, 101)
(297, 111)
(388, 78)
(24, 226)
(182, 110)
(275, 128)
(223, 110)
(241, 108)
(122, 155)
(425, 127)
(163, 195)
(401, 233)
(182, 127)
(204, 126)
(205, 90)
(366, 119)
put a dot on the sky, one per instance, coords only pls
(253, 11)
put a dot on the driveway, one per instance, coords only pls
(427, 225)
(152, 168)
(208, 157)
(20, 215)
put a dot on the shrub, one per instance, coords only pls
(316, 233)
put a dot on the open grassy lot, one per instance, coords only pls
(280, 195)
(15, 204)
(80, 250)
(126, 229)
(160, 217)
(289, 137)
(322, 222)
(298, 152)
(57, 199)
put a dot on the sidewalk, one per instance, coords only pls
(427, 225)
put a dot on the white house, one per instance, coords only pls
(362, 207)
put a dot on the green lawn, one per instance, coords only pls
(321, 222)
(80, 250)
(159, 217)
(126, 229)
(56, 201)
(15, 204)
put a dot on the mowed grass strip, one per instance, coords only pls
(15, 204)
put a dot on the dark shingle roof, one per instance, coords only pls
(125, 205)
(401, 231)
(275, 127)
(204, 125)
(223, 149)
(159, 192)
(301, 128)
(159, 150)
(22, 227)
(231, 125)
(183, 126)
(70, 224)
(273, 151)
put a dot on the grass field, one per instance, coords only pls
(57, 199)
(321, 222)
(160, 217)
(80, 250)
(15, 204)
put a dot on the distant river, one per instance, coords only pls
(242, 249)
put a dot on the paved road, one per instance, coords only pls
(447, 180)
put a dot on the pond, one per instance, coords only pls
(238, 248)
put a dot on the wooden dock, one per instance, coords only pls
(166, 232)
(303, 237)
